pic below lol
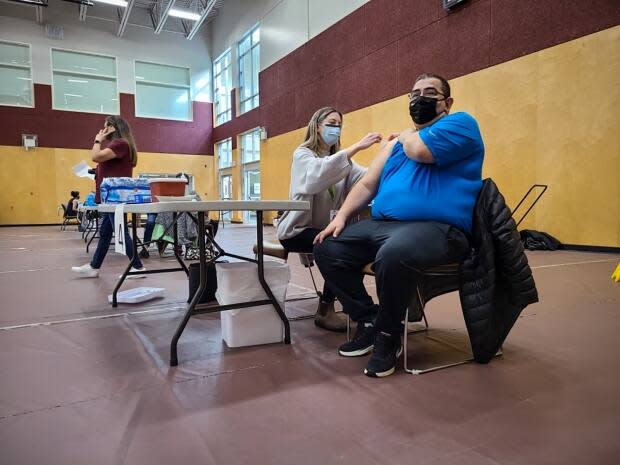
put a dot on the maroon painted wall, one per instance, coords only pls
(69, 129)
(375, 53)
(369, 56)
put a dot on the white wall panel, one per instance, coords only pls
(285, 25)
(283, 30)
(324, 13)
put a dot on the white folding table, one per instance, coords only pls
(194, 308)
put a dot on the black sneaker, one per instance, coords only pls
(386, 352)
(362, 342)
(143, 253)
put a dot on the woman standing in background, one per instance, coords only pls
(114, 151)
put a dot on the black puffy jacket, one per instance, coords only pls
(496, 282)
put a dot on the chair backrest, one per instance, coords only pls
(64, 209)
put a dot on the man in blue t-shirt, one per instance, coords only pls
(422, 188)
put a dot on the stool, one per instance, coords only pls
(275, 249)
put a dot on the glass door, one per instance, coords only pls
(251, 190)
(225, 193)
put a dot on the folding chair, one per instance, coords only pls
(444, 279)
(67, 219)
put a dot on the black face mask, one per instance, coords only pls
(423, 109)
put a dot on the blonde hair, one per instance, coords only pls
(123, 131)
(312, 140)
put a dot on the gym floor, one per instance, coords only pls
(83, 383)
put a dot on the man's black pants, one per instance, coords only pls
(399, 250)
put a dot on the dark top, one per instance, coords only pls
(115, 167)
(70, 210)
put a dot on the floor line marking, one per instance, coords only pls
(574, 263)
(97, 317)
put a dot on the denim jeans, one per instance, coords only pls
(106, 228)
(150, 225)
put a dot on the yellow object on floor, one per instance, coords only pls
(616, 274)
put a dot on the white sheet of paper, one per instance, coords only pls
(119, 229)
(81, 170)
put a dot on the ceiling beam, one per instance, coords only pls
(31, 2)
(164, 17)
(39, 13)
(203, 16)
(125, 18)
(83, 8)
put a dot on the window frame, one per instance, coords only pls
(217, 146)
(8, 65)
(240, 99)
(255, 131)
(228, 69)
(81, 52)
(162, 84)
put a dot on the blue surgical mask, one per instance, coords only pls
(330, 134)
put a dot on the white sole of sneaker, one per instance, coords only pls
(85, 274)
(381, 374)
(356, 353)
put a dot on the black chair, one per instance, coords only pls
(432, 282)
(67, 219)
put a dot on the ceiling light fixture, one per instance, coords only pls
(184, 14)
(122, 3)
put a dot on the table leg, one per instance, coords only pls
(134, 232)
(261, 277)
(174, 361)
(175, 238)
(94, 233)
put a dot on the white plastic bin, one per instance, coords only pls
(238, 282)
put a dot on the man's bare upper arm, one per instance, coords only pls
(371, 179)
(415, 148)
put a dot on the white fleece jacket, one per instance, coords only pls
(312, 175)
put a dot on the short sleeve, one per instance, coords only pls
(453, 138)
(120, 147)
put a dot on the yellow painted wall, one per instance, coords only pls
(35, 182)
(552, 117)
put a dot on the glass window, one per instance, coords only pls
(250, 158)
(249, 66)
(250, 146)
(222, 85)
(16, 88)
(84, 82)
(224, 153)
(163, 91)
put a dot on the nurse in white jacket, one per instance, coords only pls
(323, 174)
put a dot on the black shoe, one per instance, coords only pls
(143, 253)
(362, 342)
(386, 352)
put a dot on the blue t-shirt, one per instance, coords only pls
(444, 191)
